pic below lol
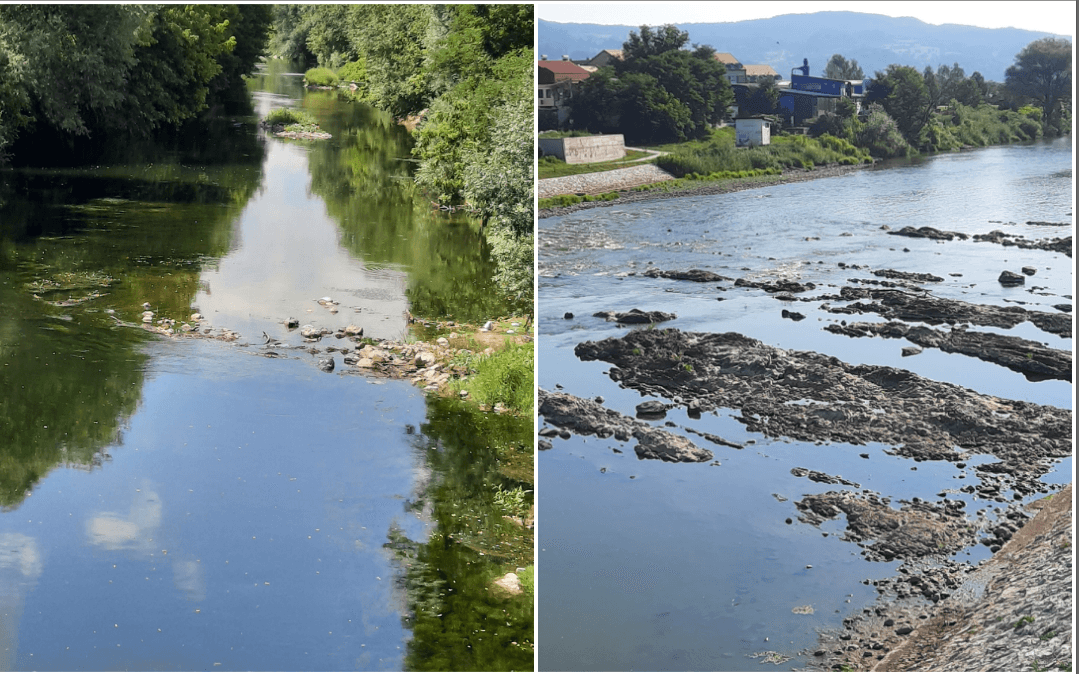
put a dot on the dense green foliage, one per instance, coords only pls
(289, 116)
(506, 377)
(1043, 73)
(71, 72)
(659, 92)
(320, 77)
(466, 72)
(718, 154)
(839, 68)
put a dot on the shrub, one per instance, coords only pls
(353, 71)
(506, 376)
(288, 116)
(527, 578)
(320, 77)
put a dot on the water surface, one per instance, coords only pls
(653, 566)
(173, 503)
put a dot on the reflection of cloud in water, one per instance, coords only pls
(20, 565)
(190, 579)
(19, 551)
(114, 532)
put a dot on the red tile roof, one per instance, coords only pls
(564, 70)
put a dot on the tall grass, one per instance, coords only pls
(320, 77)
(718, 156)
(290, 116)
(506, 377)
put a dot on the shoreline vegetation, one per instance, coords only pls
(459, 79)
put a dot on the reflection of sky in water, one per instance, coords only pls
(287, 255)
(241, 520)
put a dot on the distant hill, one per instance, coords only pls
(875, 41)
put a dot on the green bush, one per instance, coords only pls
(320, 77)
(353, 71)
(288, 116)
(527, 578)
(506, 377)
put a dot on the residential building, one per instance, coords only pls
(736, 72)
(556, 82)
(604, 58)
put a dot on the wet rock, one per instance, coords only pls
(353, 331)
(544, 445)
(907, 276)
(714, 438)
(910, 351)
(917, 530)
(814, 397)
(929, 233)
(325, 364)
(652, 409)
(568, 315)
(1029, 271)
(899, 305)
(1055, 245)
(1033, 359)
(782, 285)
(1010, 278)
(292, 323)
(635, 316)
(1067, 308)
(793, 315)
(587, 417)
(825, 478)
(695, 275)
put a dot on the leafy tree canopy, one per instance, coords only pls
(1042, 72)
(839, 68)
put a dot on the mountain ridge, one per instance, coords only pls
(874, 40)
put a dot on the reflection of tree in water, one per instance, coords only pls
(364, 177)
(73, 243)
(457, 620)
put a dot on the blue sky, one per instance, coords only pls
(1052, 17)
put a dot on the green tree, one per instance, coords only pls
(391, 39)
(650, 42)
(764, 100)
(1042, 72)
(839, 68)
(903, 92)
(658, 92)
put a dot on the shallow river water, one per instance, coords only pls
(192, 504)
(646, 565)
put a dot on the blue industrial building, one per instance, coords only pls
(806, 96)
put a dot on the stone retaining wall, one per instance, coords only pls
(585, 149)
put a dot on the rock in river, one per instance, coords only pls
(325, 364)
(1010, 278)
(635, 316)
(587, 417)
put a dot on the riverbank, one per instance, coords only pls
(629, 195)
(432, 364)
(1013, 612)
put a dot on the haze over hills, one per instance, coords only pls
(875, 41)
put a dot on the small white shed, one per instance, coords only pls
(752, 131)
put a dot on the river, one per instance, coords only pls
(180, 503)
(646, 565)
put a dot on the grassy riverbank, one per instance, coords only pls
(553, 167)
